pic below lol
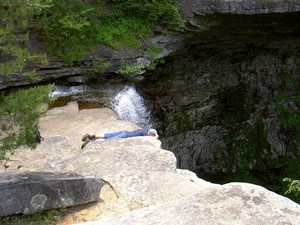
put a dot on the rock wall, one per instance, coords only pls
(216, 99)
(190, 8)
(168, 43)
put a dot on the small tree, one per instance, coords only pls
(19, 115)
(293, 187)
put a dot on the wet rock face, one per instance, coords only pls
(215, 100)
(28, 193)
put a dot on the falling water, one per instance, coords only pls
(124, 100)
(130, 106)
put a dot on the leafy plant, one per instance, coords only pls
(19, 115)
(293, 187)
(131, 69)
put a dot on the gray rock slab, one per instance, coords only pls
(28, 193)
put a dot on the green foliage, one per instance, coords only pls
(66, 27)
(153, 51)
(154, 64)
(131, 69)
(99, 66)
(46, 217)
(293, 187)
(15, 16)
(73, 29)
(119, 30)
(19, 115)
(162, 12)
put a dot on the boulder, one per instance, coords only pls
(28, 193)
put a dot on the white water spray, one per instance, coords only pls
(124, 100)
(130, 106)
(63, 90)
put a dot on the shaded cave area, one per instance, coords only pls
(216, 102)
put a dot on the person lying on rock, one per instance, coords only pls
(119, 134)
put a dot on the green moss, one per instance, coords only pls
(246, 146)
(186, 121)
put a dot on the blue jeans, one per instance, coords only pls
(119, 134)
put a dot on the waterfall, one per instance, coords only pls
(123, 99)
(129, 105)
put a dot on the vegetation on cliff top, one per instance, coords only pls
(72, 28)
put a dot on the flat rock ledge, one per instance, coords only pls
(141, 182)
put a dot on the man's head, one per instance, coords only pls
(153, 132)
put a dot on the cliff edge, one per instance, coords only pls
(141, 182)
